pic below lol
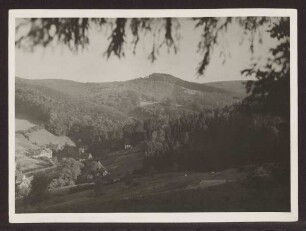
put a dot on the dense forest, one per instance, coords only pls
(107, 113)
(220, 140)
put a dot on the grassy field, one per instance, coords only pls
(27, 138)
(22, 145)
(23, 124)
(119, 162)
(169, 192)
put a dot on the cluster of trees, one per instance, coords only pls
(225, 139)
(70, 170)
(76, 167)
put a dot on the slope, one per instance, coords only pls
(30, 137)
(89, 111)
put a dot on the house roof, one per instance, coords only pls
(85, 155)
(102, 167)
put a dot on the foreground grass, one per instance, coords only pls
(150, 195)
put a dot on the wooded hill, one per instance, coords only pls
(76, 109)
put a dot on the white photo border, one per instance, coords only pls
(181, 217)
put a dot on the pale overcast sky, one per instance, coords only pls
(90, 65)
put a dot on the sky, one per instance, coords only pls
(90, 65)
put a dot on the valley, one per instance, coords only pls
(150, 144)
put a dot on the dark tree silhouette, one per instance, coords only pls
(39, 188)
(69, 172)
(271, 93)
(73, 32)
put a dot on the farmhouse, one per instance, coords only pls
(82, 149)
(23, 181)
(103, 169)
(47, 152)
(26, 181)
(128, 146)
(85, 156)
(94, 170)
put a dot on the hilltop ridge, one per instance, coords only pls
(157, 77)
(58, 104)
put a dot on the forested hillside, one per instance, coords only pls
(90, 112)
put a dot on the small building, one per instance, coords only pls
(85, 156)
(95, 170)
(47, 152)
(127, 146)
(24, 181)
(103, 169)
(83, 149)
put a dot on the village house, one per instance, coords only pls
(104, 170)
(99, 171)
(22, 181)
(127, 146)
(81, 150)
(26, 181)
(85, 156)
(47, 152)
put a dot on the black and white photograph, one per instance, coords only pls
(153, 115)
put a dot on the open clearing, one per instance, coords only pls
(23, 124)
(27, 138)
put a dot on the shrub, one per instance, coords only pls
(39, 188)
(68, 174)
(22, 191)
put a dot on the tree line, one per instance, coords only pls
(227, 138)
